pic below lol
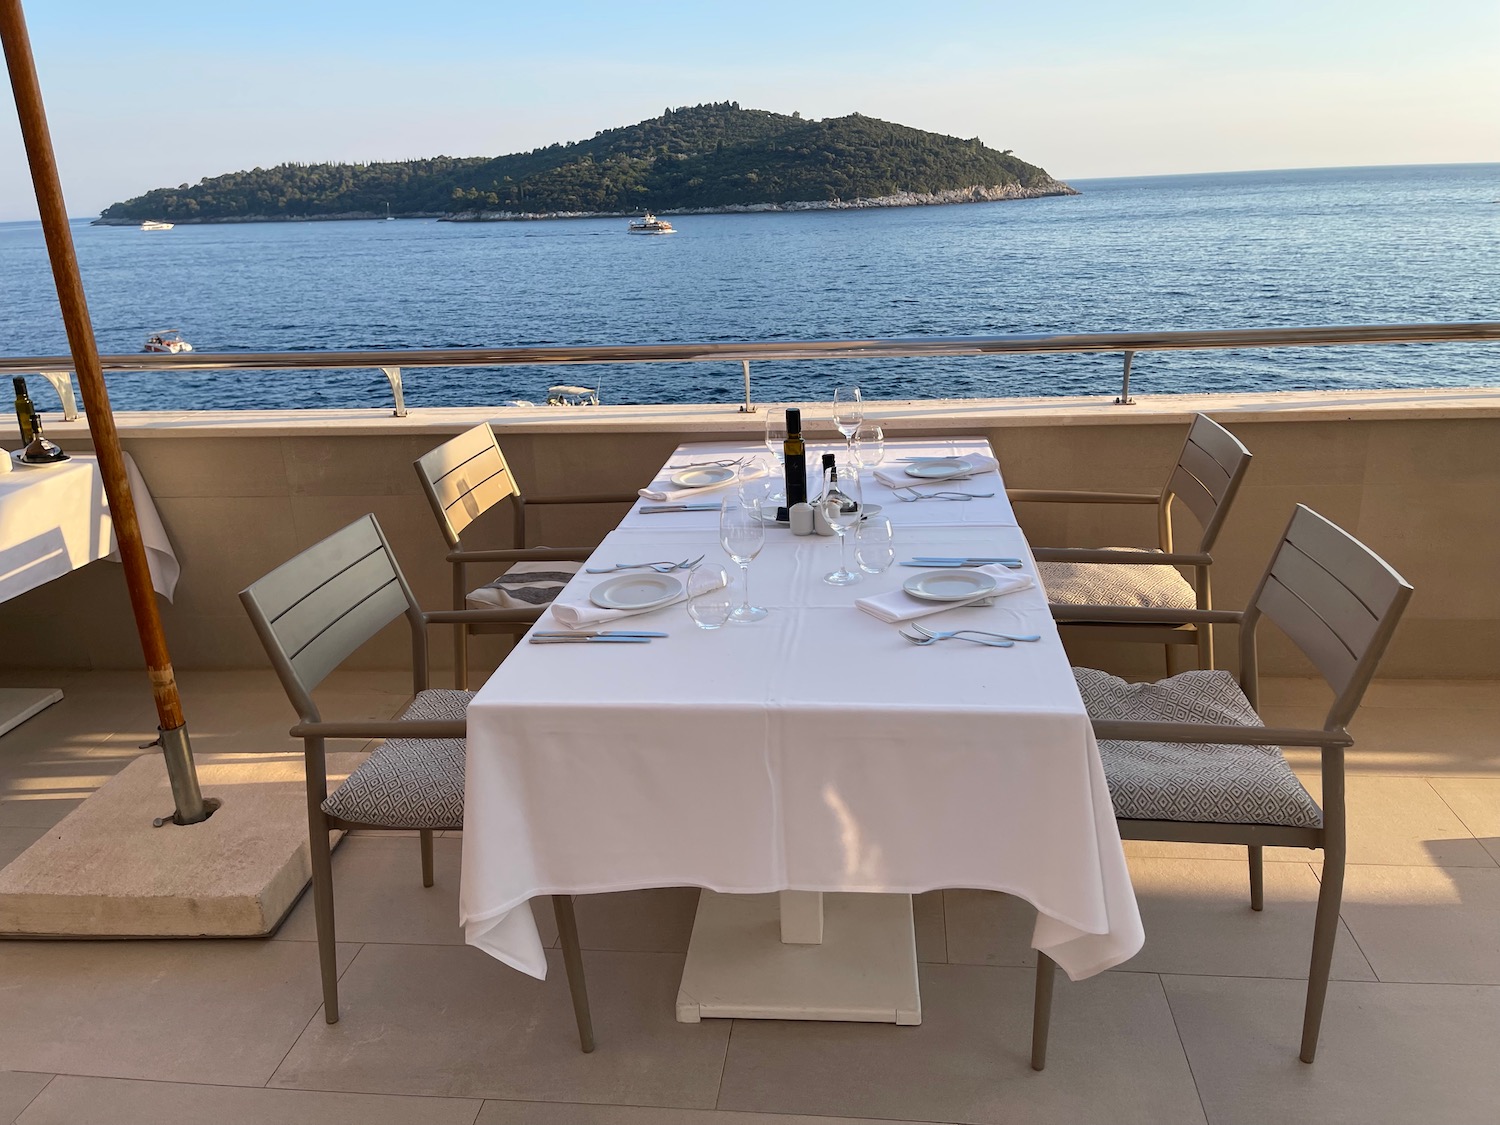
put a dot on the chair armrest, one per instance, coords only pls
(1129, 730)
(1145, 615)
(482, 616)
(522, 554)
(1063, 496)
(382, 728)
(588, 498)
(1134, 558)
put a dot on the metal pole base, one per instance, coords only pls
(192, 808)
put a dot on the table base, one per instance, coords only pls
(19, 704)
(863, 971)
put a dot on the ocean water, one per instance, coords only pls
(1296, 248)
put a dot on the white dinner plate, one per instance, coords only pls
(702, 478)
(868, 510)
(948, 585)
(635, 591)
(940, 467)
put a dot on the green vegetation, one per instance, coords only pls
(705, 156)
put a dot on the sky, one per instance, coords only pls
(153, 93)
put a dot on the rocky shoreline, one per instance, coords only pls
(977, 194)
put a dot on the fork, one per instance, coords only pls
(940, 495)
(937, 635)
(992, 642)
(724, 464)
(663, 567)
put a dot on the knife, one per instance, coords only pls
(971, 560)
(589, 638)
(653, 509)
(600, 633)
(954, 564)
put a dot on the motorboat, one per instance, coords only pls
(562, 395)
(169, 340)
(152, 224)
(650, 224)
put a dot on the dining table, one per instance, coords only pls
(54, 519)
(810, 771)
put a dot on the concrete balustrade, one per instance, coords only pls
(1414, 474)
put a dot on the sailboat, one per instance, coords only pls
(388, 216)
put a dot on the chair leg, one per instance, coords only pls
(322, 889)
(1041, 1015)
(427, 879)
(461, 657)
(567, 928)
(1167, 657)
(1325, 932)
(1257, 877)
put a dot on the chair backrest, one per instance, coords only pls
(466, 477)
(1336, 599)
(314, 610)
(1206, 478)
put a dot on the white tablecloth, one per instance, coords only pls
(815, 750)
(55, 519)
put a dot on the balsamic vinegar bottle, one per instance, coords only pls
(796, 459)
(25, 408)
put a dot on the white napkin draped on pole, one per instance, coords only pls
(897, 605)
(664, 490)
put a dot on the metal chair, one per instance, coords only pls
(1206, 478)
(466, 477)
(310, 614)
(1188, 759)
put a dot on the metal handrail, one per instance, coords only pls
(390, 361)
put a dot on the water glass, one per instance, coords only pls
(776, 432)
(709, 598)
(874, 548)
(869, 445)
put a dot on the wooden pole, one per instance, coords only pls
(38, 139)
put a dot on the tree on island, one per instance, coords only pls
(704, 156)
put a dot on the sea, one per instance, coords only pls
(1339, 246)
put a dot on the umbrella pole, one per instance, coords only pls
(188, 798)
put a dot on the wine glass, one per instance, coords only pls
(756, 483)
(874, 550)
(742, 534)
(848, 413)
(841, 505)
(709, 601)
(869, 445)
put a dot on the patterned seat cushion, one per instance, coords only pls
(525, 585)
(1193, 782)
(410, 782)
(1139, 585)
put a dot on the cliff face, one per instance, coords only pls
(703, 158)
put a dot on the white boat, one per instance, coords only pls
(168, 340)
(152, 224)
(651, 225)
(562, 395)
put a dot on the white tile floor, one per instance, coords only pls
(1202, 1026)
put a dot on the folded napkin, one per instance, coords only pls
(898, 478)
(898, 605)
(573, 610)
(665, 490)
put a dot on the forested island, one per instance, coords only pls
(715, 157)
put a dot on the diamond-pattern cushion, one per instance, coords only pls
(410, 782)
(1193, 782)
(525, 585)
(1139, 585)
